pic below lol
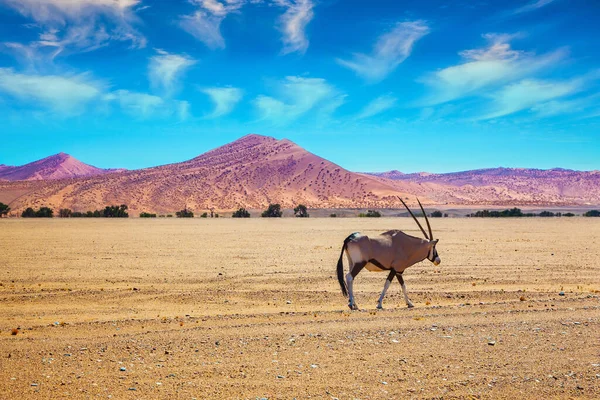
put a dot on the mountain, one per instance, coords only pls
(251, 172)
(255, 170)
(512, 186)
(58, 166)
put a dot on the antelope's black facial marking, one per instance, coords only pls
(433, 255)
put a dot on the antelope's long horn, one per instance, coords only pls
(426, 220)
(415, 218)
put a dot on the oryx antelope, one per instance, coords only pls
(392, 251)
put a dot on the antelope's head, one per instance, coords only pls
(432, 255)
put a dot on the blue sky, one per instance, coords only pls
(425, 85)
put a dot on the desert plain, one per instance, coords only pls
(247, 309)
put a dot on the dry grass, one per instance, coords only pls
(252, 308)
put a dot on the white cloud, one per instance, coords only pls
(528, 93)
(166, 69)
(390, 50)
(534, 5)
(75, 94)
(65, 95)
(561, 107)
(137, 104)
(297, 96)
(224, 99)
(75, 26)
(205, 23)
(377, 106)
(293, 24)
(485, 69)
(147, 106)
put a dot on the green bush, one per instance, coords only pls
(116, 211)
(185, 213)
(513, 212)
(148, 215)
(274, 211)
(4, 209)
(301, 211)
(43, 212)
(241, 213)
(28, 213)
(370, 214)
(436, 214)
(332, 215)
(592, 213)
(65, 213)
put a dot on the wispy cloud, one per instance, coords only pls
(390, 50)
(71, 95)
(147, 106)
(532, 6)
(293, 24)
(570, 106)
(136, 104)
(486, 68)
(166, 69)
(68, 26)
(528, 93)
(224, 99)
(66, 95)
(377, 106)
(205, 23)
(297, 96)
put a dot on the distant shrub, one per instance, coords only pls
(301, 211)
(592, 213)
(4, 209)
(569, 214)
(241, 213)
(436, 214)
(65, 213)
(185, 213)
(370, 214)
(77, 214)
(169, 215)
(204, 215)
(28, 213)
(513, 212)
(445, 215)
(116, 211)
(148, 215)
(43, 212)
(547, 214)
(332, 215)
(274, 211)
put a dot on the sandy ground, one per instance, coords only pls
(226, 308)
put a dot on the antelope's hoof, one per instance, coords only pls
(410, 305)
(379, 307)
(353, 307)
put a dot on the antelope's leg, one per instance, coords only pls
(356, 268)
(388, 281)
(401, 280)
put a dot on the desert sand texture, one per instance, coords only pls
(246, 309)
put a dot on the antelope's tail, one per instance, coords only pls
(340, 266)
